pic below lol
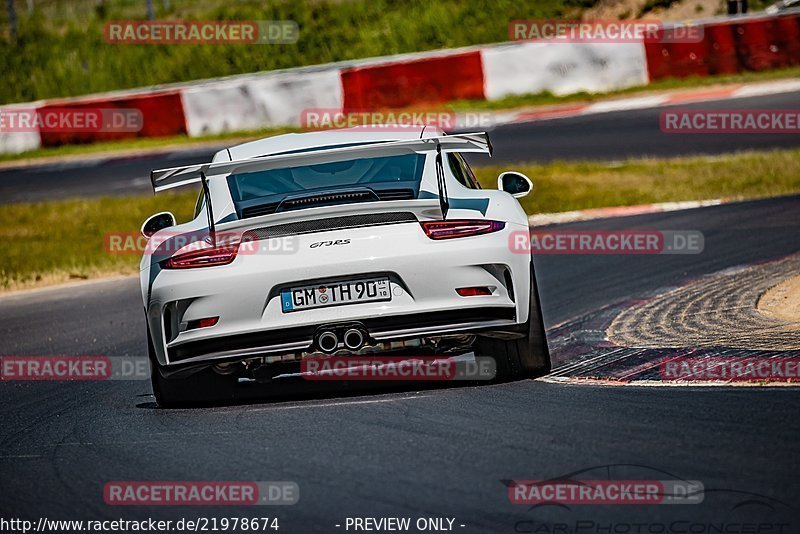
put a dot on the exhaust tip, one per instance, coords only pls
(353, 339)
(327, 341)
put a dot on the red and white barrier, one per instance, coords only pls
(427, 80)
(159, 113)
(562, 68)
(15, 142)
(253, 102)
(732, 45)
(489, 72)
(161, 116)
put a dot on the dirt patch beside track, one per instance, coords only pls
(782, 301)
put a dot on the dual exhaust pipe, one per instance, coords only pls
(352, 338)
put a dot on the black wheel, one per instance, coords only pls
(202, 387)
(524, 357)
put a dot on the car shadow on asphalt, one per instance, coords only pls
(282, 391)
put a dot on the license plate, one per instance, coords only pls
(321, 295)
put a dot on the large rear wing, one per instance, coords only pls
(164, 179)
(471, 142)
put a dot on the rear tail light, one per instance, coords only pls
(474, 291)
(208, 257)
(460, 228)
(202, 323)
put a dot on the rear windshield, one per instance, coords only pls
(378, 174)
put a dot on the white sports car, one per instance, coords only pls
(341, 242)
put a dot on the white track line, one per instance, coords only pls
(659, 383)
(333, 404)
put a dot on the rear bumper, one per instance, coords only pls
(423, 275)
(380, 329)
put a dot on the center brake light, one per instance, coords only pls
(460, 228)
(208, 257)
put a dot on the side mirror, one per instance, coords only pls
(157, 222)
(515, 183)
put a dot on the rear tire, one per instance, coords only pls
(525, 357)
(201, 388)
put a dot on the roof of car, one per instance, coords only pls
(297, 142)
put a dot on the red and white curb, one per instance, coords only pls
(544, 219)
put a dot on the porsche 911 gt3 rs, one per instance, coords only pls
(344, 242)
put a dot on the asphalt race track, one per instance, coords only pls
(607, 136)
(410, 451)
(415, 453)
